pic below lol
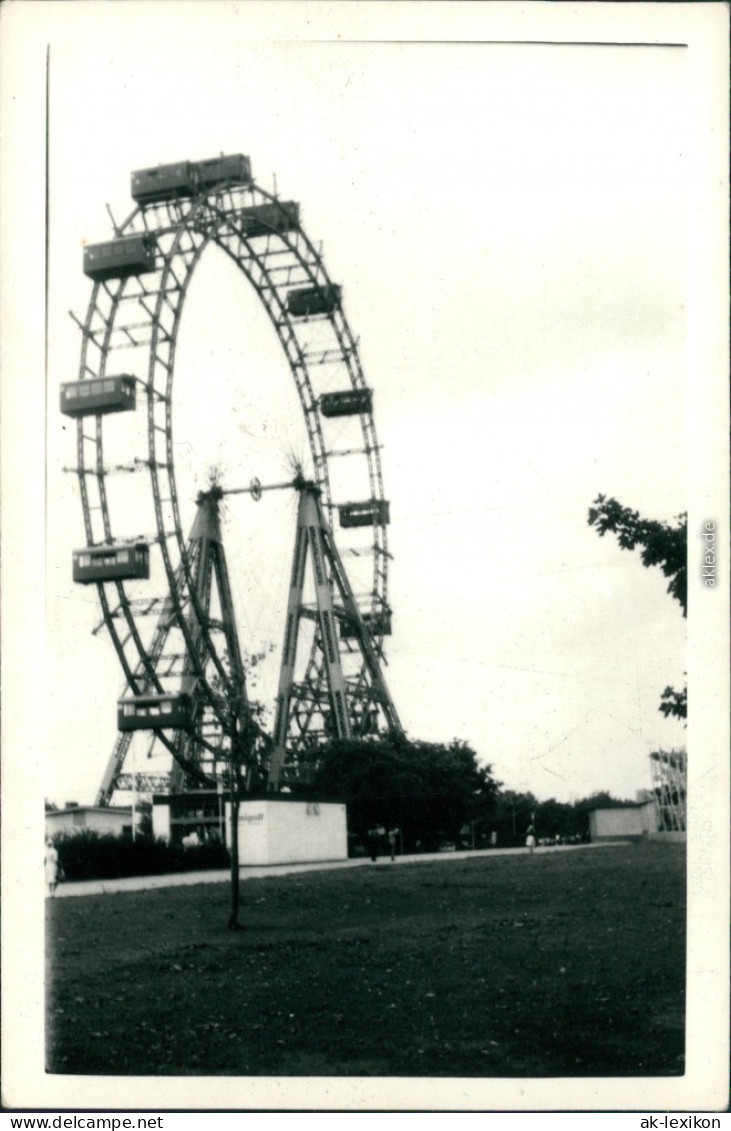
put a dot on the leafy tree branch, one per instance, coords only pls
(664, 545)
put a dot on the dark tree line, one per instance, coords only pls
(436, 794)
(429, 791)
(566, 819)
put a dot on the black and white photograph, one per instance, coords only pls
(365, 556)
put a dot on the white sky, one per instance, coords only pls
(509, 224)
(532, 242)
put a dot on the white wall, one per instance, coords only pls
(285, 832)
(615, 823)
(110, 821)
(161, 821)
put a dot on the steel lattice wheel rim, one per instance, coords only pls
(143, 314)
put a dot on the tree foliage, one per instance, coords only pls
(550, 818)
(674, 703)
(88, 855)
(664, 545)
(428, 790)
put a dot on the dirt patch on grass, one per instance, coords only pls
(557, 964)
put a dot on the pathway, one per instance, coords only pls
(221, 875)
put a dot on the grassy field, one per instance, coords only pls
(557, 964)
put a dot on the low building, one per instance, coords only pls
(628, 822)
(287, 831)
(113, 821)
(176, 816)
(279, 829)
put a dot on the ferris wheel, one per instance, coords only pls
(166, 585)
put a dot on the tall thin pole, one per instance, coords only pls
(134, 794)
(234, 777)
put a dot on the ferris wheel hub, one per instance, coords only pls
(256, 488)
(214, 494)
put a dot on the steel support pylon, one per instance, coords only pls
(200, 755)
(343, 704)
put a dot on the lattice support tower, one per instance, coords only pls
(196, 760)
(345, 708)
(669, 782)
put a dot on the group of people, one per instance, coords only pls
(549, 841)
(560, 839)
(375, 836)
(201, 835)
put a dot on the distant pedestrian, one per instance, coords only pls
(392, 834)
(51, 866)
(493, 839)
(530, 839)
(373, 836)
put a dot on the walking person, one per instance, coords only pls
(392, 834)
(50, 864)
(373, 843)
(530, 839)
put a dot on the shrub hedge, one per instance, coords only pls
(88, 855)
